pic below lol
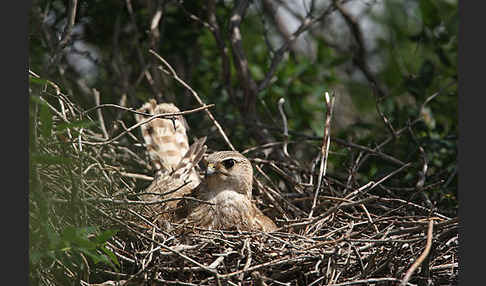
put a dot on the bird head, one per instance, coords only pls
(229, 170)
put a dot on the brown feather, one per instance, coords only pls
(224, 198)
(221, 201)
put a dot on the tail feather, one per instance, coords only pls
(165, 139)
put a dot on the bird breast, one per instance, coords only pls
(231, 209)
(230, 199)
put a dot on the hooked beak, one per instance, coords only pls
(210, 170)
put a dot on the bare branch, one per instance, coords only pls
(96, 95)
(239, 56)
(166, 115)
(326, 142)
(196, 96)
(307, 23)
(360, 57)
(422, 256)
(285, 127)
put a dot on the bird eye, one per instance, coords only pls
(228, 163)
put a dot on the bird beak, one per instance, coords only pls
(213, 169)
(210, 170)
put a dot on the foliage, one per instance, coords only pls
(58, 243)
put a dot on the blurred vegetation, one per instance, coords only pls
(413, 59)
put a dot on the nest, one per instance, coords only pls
(343, 234)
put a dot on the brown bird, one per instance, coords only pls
(222, 200)
(174, 161)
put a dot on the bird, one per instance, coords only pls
(171, 156)
(220, 199)
(223, 199)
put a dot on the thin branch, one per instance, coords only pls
(326, 142)
(360, 57)
(132, 202)
(96, 95)
(67, 33)
(285, 126)
(307, 23)
(157, 242)
(169, 115)
(137, 35)
(66, 36)
(421, 258)
(166, 115)
(369, 280)
(380, 113)
(196, 96)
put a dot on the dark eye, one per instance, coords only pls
(228, 163)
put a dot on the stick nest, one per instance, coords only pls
(359, 234)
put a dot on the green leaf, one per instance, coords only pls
(79, 237)
(111, 255)
(95, 256)
(105, 235)
(256, 72)
(430, 13)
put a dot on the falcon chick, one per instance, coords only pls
(224, 197)
(173, 160)
(222, 200)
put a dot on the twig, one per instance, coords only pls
(137, 176)
(124, 108)
(326, 142)
(421, 258)
(270, 263)
(422, 175)
(240, 59)
(66, 36)
(428, 210)
(165, 115)
(246, 245)
(131, 136)
(360, 57)
(445, 266)
(390, 175)
(196, 96)
(277, 194)
(156, 242)
(67, 33)
(420, 228)
(369, 280)
(382, 115)
(426, 101)
(132, 202)
(342, 142)
(285, 126)
(333, 209)
(55, 86)
(96, 95)
(137, 35)
(369, 217)
(307, 22)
